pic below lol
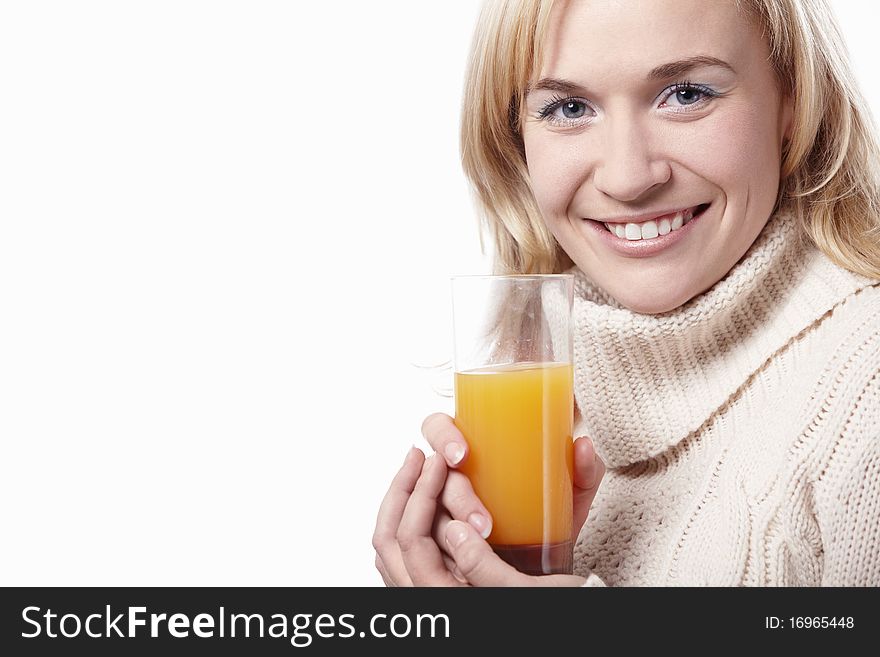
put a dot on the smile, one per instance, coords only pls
(652, 228)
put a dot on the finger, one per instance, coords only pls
(462, 503)
(386, 578)
(444, 437)
(476, 560)
(453, 568)
(441, 520)
(421, 556)
(588, 467)
(588, 472)
(391, 511)
(438, 530)
(480, 566)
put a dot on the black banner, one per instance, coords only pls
(340, 621)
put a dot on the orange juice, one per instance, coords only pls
(517, 420)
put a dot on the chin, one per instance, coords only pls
(651, 304)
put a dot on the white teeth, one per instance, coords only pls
(617, 229)
(650, 229)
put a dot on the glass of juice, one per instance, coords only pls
(514, 404)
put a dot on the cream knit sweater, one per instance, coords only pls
(741, 431)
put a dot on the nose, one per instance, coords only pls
(627, 167)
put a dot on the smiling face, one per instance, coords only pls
(644, 108)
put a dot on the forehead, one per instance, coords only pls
(619, 37)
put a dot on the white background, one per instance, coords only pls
(226, 233)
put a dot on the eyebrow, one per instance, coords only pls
(662, 72)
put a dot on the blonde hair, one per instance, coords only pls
(830, 165)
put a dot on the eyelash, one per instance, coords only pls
(546, 112)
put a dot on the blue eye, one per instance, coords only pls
(573, 109)
(687, 93)
(564, 111)
(688, 96)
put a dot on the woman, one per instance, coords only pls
(709, 173)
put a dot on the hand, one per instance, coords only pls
(420, 538)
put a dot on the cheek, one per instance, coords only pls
(555, 173)
(736, 151)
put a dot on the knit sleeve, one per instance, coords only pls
(850, 491)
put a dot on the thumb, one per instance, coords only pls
(480, 566)
(476, 560)
(588, 472)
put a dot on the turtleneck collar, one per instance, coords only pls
(644, 382)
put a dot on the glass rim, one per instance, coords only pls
(510, 276)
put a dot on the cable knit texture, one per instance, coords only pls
(741, 431)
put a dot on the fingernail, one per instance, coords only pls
(592, 450)
(454, 453)
(455, 534)
(409, 454)
(481, 523)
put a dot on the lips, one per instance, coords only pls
(632, 246)
(649, 227)
(695, 209)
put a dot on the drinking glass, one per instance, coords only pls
(514, 404)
